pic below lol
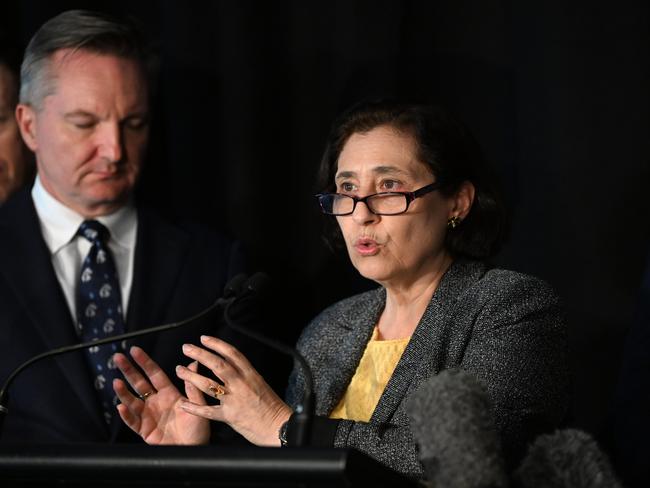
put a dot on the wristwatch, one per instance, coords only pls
(282, 434)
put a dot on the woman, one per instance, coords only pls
(416, 213)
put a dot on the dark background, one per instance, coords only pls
(557, 93)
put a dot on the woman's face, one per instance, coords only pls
(393, 250)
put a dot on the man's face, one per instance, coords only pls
(13, 154)
(90, 134)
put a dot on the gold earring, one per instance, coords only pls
(453, 222)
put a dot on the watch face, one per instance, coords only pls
(282, 434)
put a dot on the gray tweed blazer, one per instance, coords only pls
(505, 327)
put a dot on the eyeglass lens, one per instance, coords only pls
(380, 204)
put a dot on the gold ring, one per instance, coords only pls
(146, 395)
(216, 390)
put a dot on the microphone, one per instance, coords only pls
(301, 420)
(453, 427)
(567, 458)
(235, 286)
(230, 295)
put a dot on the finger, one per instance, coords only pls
(228, 351)
(218, 365)
(213, 412)
(192, 392)
(125, 396)
(200, 382)
(138, 382)
(131, 420)
(130, 408)
(154, 372)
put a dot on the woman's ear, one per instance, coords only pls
(461, 202)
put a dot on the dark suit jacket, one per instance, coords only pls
(178, 271)
(506, 328)
(628, 427)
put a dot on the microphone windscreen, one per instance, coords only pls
(566, 458)
(452, 423)
(235, 286)
(245, 291)
(257, 283)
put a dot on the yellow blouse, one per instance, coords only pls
(370, 379)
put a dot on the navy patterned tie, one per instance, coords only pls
(99, 312)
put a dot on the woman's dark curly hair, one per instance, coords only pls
(445, 145)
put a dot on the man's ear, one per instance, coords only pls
(26, 118)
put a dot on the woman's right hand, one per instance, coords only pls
(157, 417)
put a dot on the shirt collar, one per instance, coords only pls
(60, 223)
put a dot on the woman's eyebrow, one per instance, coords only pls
(345, 174)
(380, 170)
(389, 170)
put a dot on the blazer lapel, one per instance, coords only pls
(26, 263)
(425, 354)
(354, 332)
(160, 253)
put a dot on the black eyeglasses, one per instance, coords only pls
(385, 203)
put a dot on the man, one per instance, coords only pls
(628, 425)
(16, 167)
(78, 259)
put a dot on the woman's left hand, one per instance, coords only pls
(247, 402)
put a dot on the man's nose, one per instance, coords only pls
(110, 142)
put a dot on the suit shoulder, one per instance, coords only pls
(17, 207)
(204, 249)
(350, 310)
(506, 281)
(198, 234)
(353, 307)
(508, 296)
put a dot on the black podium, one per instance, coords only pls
(169, 466)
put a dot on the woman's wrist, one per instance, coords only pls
(279, 424)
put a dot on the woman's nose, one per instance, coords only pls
(362, 214)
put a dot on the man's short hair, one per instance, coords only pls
(95, 32)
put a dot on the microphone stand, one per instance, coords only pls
(305, 410)
(4, 392)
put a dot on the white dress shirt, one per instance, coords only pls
(59, 225)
